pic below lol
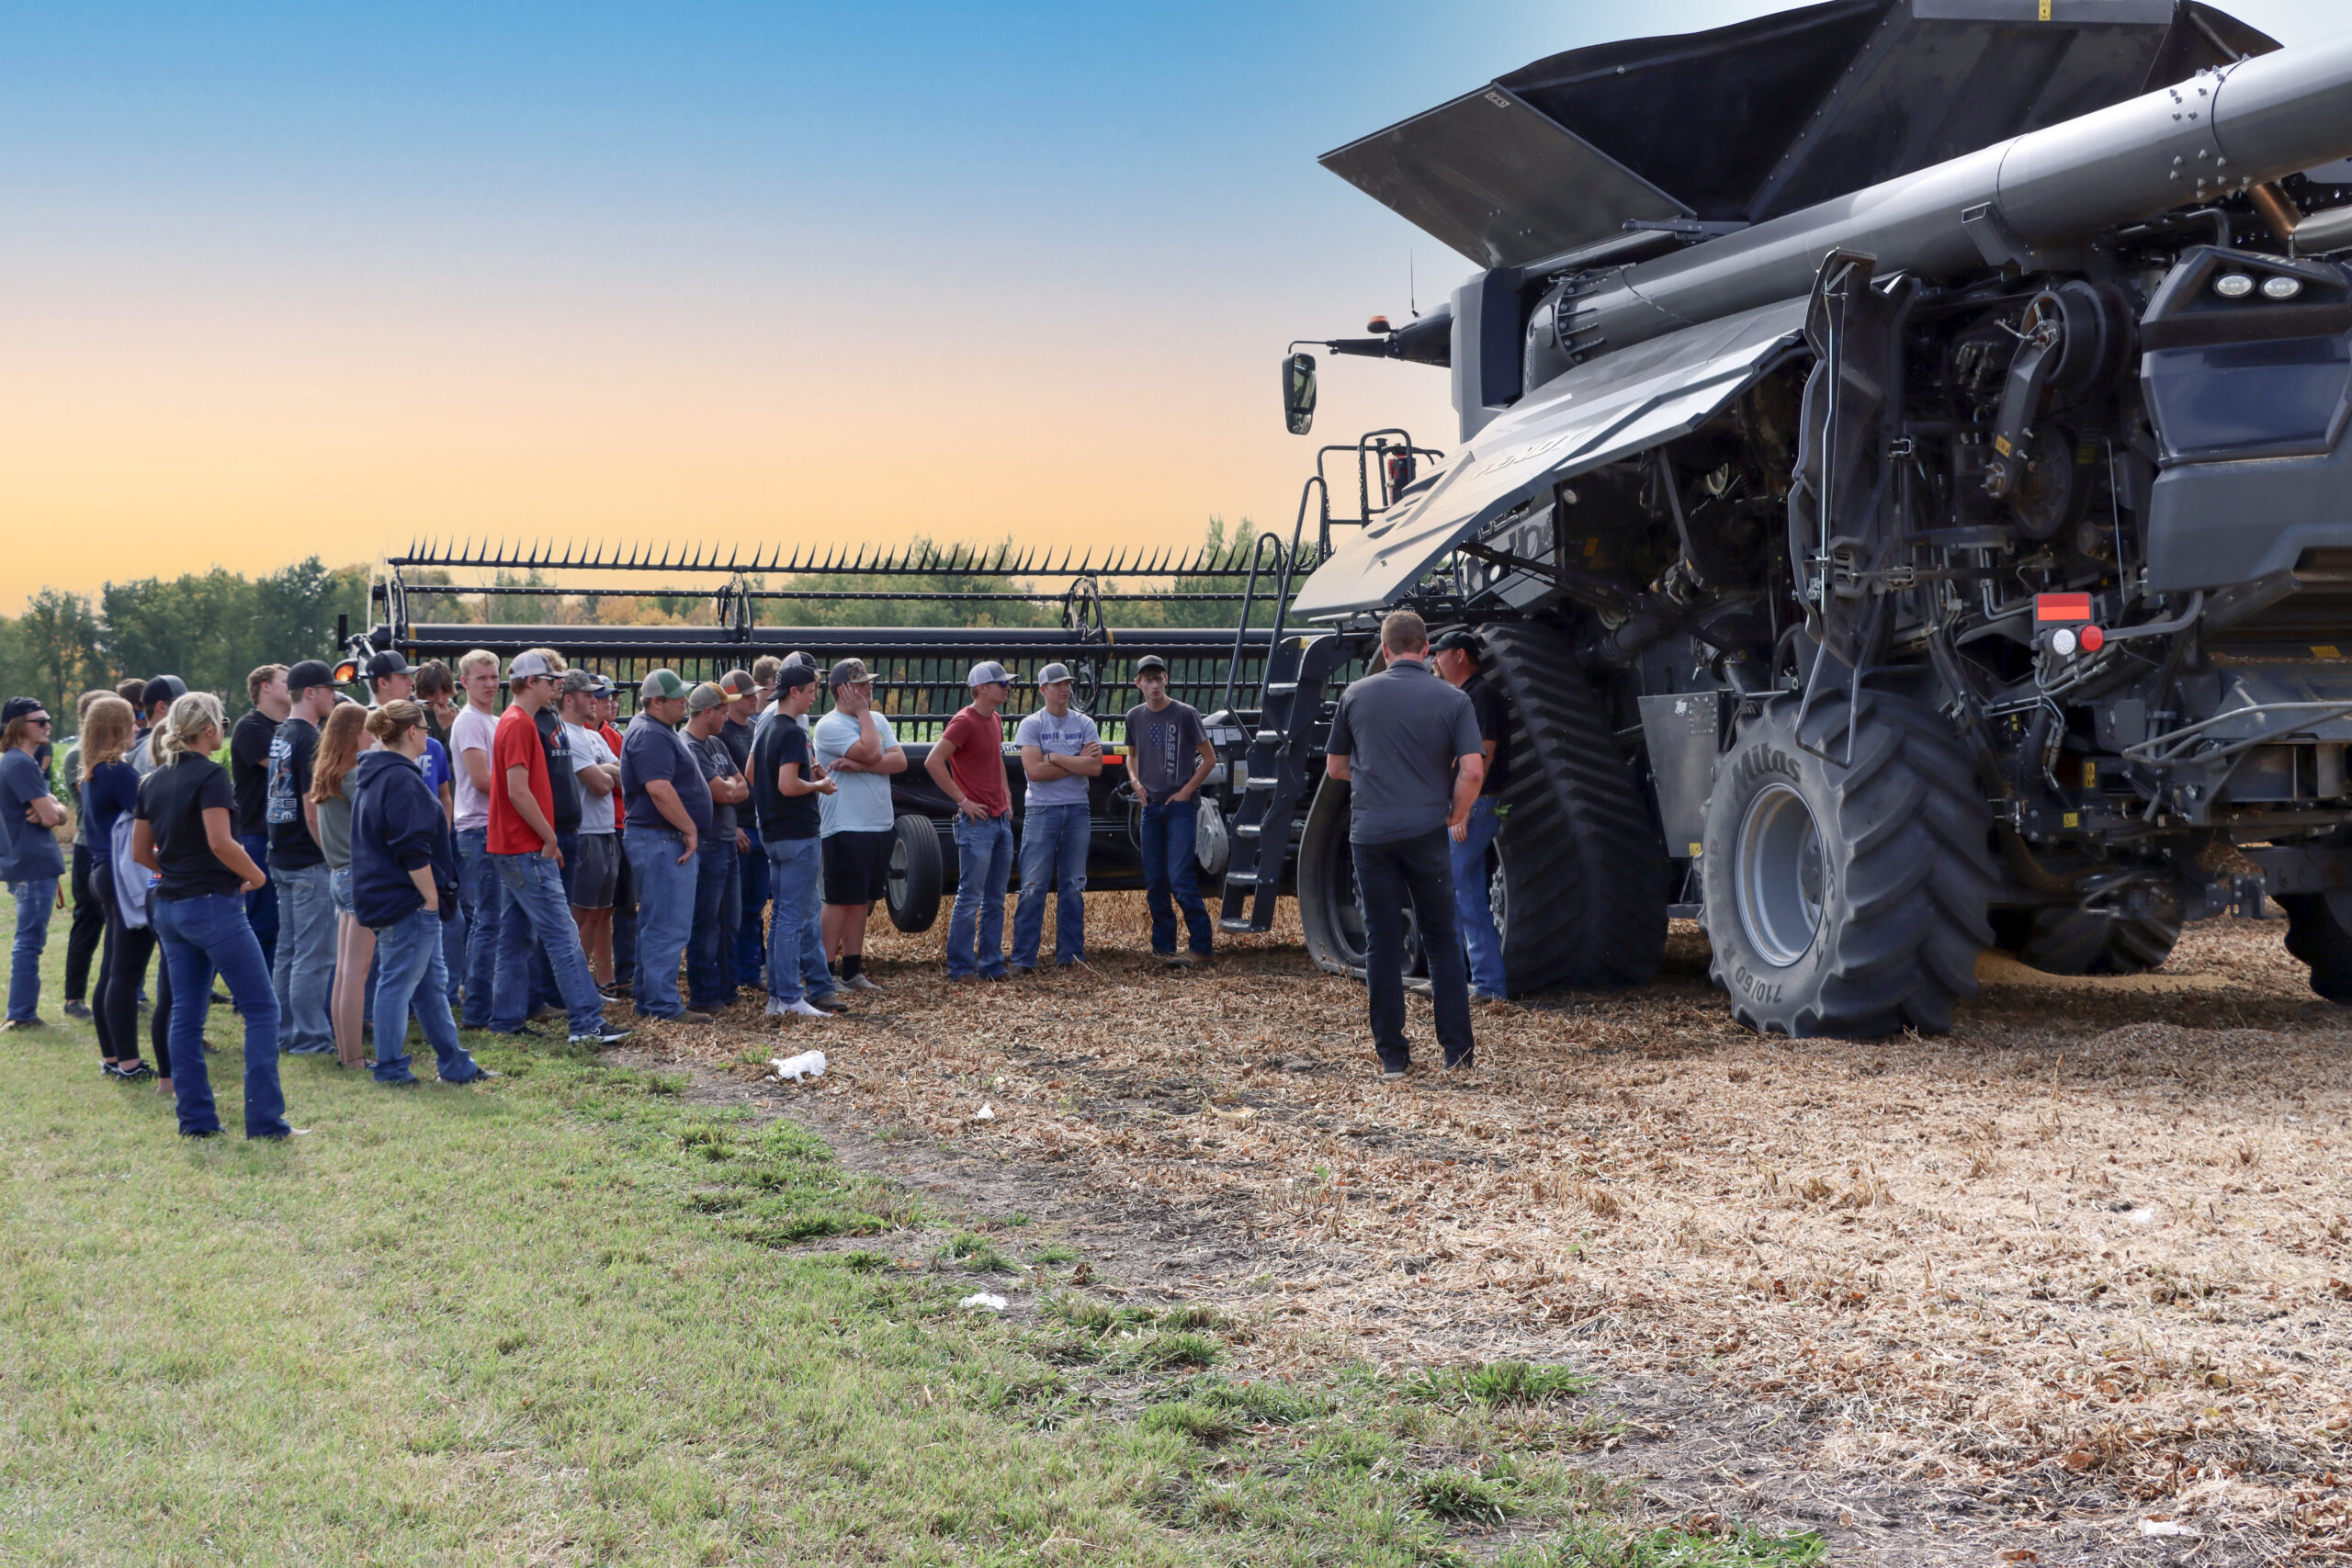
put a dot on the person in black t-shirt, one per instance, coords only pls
(249, 777)
(303, 965)
(1456, 659)
(185, 834)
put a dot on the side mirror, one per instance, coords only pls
(1298, 392)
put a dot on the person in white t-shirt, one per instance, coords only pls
(858, 747)
(471, 735)
(596, 866)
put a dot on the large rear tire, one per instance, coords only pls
(2319, 931)
(1584, 878)
(1846, 899)
(2088, 942)
(1331, 909)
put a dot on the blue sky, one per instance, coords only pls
(293, 278)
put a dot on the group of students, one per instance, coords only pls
(431, 859)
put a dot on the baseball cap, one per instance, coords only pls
(1150, 661)
(1053, 672)
(386, 663)
(301, 678)
(987, 671)
(1457, 638)
(659, 685)
(172, 688)
(704, 697)
(850, 672)
(796, 672)
(527, 663)
(738, 684)
(577, 681)
(18, 708)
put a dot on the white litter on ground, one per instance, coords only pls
(2164, 1527)
(984, 1114)
(808, 1065)
(983, 1299)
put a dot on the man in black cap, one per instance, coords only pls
(1407, 745)
(33, 866)
(302, 970)
(389, 678)
(1455, 657)
(155, 700)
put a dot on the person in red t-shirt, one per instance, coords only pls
(968, 764)
(522, 845)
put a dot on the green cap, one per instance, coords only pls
(661, 684)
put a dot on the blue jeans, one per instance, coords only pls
(710, 955)
(1482, 946)
(413, 978)
(36, 896)
(665, 914)
(797, 965)
(203, 937)
(975, 927)
(538, 919)
(483, 897)
(1053, 859)
(261, 906)
(751, 946)
(1169, 828)
(305, 964)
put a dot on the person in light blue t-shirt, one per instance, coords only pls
(1060, 751)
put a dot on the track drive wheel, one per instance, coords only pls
(2319, 931)
(1846, 899)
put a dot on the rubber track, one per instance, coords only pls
(2313, 936)
(1587, 883)
(1910, 918)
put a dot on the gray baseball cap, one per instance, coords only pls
(987, 671)
(1053, 673)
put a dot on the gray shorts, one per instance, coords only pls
(596, 868)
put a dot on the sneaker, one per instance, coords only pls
(77, 1009)
(1461, 1065)
(1392, 1074)
(1188, 958)
(777, 1006)
(804, 1009)
(135, 1073)
(399, 1083)
(482, 1075)
(1020, 971)
(693, 1015)
(610, 998)
(607, 1036)
(1421, 988)
(1490, 999)
(36, 1022)
(830, 1002)
(858, 982)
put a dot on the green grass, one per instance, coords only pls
(575, 1317)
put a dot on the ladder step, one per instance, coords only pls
(1258, 781)
(1281, 688)
(1247, 878)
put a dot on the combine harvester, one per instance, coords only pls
(1902, 487)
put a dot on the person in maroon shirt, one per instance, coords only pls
(968, 763)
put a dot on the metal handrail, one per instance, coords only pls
(1249, 602)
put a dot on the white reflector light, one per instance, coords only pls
(2234, 286)
(2280, 287)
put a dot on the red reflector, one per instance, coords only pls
(2048, 607)
(2092, 639)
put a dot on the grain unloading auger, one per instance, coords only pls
(1903, 489)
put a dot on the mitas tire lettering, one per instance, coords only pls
(1905, 868)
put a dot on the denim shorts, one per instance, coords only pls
(339, 889)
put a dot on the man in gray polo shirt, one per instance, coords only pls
(1407, 745)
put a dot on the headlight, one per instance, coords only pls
(2280, 287)
(2234, 286)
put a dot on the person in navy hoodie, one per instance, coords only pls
(403, 884)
